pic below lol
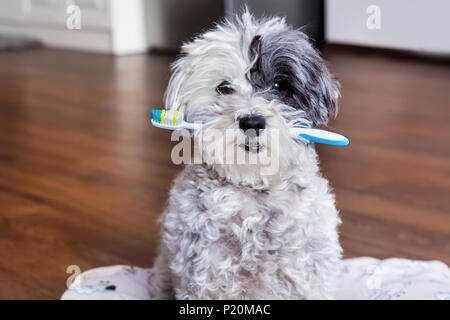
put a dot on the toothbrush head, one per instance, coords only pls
(168, 119)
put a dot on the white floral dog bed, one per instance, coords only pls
(360, 278)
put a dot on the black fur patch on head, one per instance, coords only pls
(287, 68)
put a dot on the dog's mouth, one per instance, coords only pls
(252, 147)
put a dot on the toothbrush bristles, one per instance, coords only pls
(167, 117)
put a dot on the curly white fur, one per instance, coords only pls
(230, 232)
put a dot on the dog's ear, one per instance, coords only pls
(320, 88)
(323, 89)
(173, 95)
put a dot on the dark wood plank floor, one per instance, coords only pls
(83, 176)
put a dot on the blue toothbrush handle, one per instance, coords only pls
(321, 136)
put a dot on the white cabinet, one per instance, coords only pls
(108, 26)
(52, 13)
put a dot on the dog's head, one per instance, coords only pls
(250, 78)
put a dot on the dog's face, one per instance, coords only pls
(250, 79)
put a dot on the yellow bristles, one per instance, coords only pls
(163, 113)
(175, 116)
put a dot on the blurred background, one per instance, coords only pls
(84, 176)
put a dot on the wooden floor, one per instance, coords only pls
(83, 176)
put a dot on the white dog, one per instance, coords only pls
(229, 231)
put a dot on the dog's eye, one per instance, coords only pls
(280, 85)
(225, 88)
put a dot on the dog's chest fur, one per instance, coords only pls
(248, 238)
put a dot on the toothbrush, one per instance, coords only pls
(321, 136)
(174, 120)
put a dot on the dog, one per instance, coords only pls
(229, 231)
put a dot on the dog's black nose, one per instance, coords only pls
(254, 122)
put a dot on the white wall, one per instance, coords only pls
(419, 25)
